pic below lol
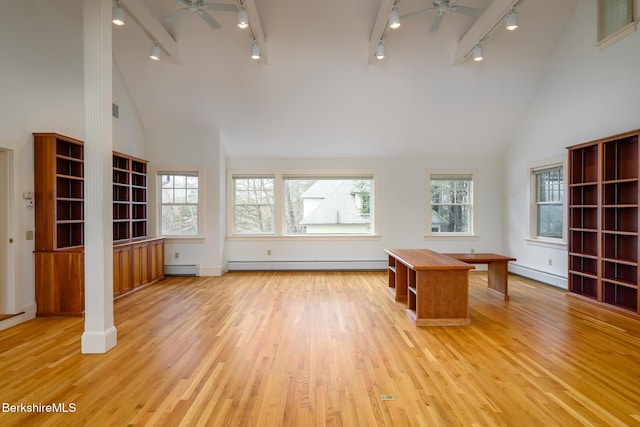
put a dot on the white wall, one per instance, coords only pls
(400, 209)
(42, 90)
(184, 150)
(586, 94)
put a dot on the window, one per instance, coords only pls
(284, 204)
(179, 197)
(451, 202)
(549, 196)
(253, 205)
(615, 18)
(327, 206)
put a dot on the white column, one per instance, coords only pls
(99, 331)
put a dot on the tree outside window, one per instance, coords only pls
(253, 205)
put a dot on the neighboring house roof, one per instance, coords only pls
(338, 205)
(436, 218)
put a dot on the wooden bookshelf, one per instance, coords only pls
(603, 221)
(59, 226)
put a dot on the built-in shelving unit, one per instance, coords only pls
(59, 226)
(603, 221)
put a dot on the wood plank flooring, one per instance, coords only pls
(322, 348)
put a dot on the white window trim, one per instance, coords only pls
(157, 171)
(533, 167)
(279, 175)
(473, 205)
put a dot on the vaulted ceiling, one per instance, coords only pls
(318, 95)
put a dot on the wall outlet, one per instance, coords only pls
(550, 261)
(177, 255)
(268, 251)
(29, 235)
(473, 251)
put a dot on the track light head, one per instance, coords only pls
(243, 18)
(117, 15)
(255, 51)
(512, 20)
(477, 53)
(155, 52)
(394, 18)
(380, 50)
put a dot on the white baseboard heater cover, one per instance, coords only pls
(182, 270)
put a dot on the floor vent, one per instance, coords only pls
(182, 270)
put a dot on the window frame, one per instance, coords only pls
(621, 30)
(534, 169)
(472, 204)
(200, 205)
(280, 175)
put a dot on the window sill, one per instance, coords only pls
(184, 238)
(451, 236)
(547, 243)
(306, 237)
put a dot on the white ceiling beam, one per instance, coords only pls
(489, 19)
(153, 28)
(377, 33)
(255, 27)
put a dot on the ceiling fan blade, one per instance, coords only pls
(208, 19)
(177, 14)
(418, 12)
(220, 6)
(436, 23)
(467, 10)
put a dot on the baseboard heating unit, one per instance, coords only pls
(182, 270)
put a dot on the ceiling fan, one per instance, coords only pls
(200, 7)
(441, 7)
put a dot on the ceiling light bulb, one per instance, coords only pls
(255, 50)
(243, 19)
(155, 52)
(477, 53)
(380, 50)
(394, 18)
(512, 20)
(117, 15)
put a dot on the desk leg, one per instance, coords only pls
(497, 278)
(402, 277)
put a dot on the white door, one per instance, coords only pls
(4, 232)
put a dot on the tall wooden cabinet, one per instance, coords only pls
(603, 221)
(59, 226)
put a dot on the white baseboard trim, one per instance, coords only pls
(540, 276)
(29, 312)
(211, 271)
(99, 342)
(305, 265)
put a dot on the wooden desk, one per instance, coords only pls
(497, 269)
(435, 286)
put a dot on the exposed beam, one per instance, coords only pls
(153, 28)
(379, 28)
(255, 27)
(482, 27)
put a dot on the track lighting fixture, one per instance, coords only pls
(117, 14)
(243, 19)
(477, 53)
(512, 20)
(394, 18)
(380, 50)
(155, 51)
(255, 50)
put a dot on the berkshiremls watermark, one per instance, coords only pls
(59, 407)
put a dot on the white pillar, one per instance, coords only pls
(99, 331)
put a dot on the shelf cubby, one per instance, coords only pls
(604, 220)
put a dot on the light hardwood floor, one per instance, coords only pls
(321, 348)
